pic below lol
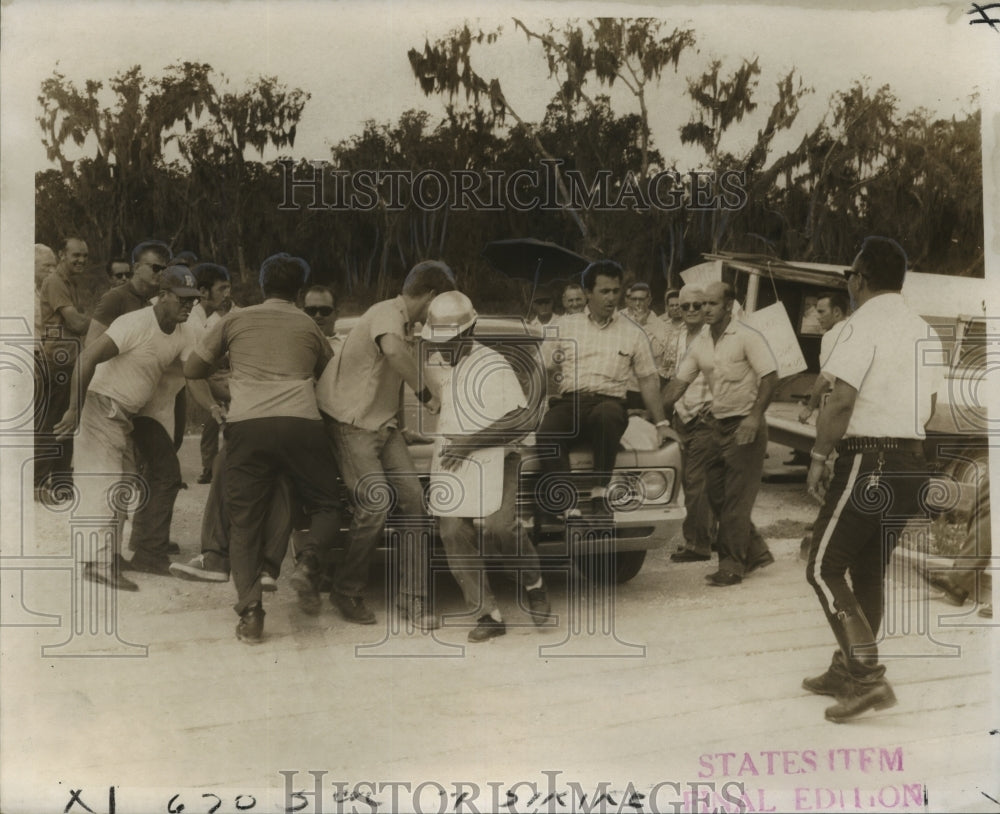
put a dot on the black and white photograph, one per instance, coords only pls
(547, 407)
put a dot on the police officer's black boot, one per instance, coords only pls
(834, 681)
(866, 687)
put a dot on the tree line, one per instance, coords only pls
(179, 157)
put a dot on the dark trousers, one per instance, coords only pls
(157, 464)
(702, 500)
(738, 468)
(52, 396)
(277, 526)
(972, 563)
(598, 420)
(257, 451)
(180, 418)
(209, 443)
(856, 531)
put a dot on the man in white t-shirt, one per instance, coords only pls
(120, 373)
(832, 308)
(483, 413)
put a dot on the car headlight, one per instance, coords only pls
(629, 491)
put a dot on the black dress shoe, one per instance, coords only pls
(861, 695)
(205, 476)
(111, 578)
(723, 579)
(687, 555)
(487, 628)
(250, 628)
(353, 608)
(150, 565)
(764, 560)
(953, 595)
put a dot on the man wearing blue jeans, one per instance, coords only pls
(360, 398)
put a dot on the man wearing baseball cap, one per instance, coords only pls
(120, 373)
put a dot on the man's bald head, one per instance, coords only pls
(718, 303)
(45, 263)
(719, 290)
(691, 293)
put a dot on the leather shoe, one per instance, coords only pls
(303, 582)
(872, 692)
(353, 608)
(487, 628)
(835, 681)
(250, 628)
(149, 565)
(415, 609)
(951, 593)
(111, 578)
(723, 579)
(689, 555)
(205, 476)
(764, 560)
(539, 607)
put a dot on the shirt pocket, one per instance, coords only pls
(621, 365)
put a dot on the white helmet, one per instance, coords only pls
(448, 315)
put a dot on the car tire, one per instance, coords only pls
(622, 565)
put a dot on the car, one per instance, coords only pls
(645, 492)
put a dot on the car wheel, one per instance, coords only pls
(621, 565)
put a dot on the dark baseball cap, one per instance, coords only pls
(180, 280)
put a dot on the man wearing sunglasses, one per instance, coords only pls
(119, 271)
(149, 258)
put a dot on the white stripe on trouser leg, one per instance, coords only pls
(830, 526)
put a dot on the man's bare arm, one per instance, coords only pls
(83, 372)
(77, 323)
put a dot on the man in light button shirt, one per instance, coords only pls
(595, 354)
(742, 373)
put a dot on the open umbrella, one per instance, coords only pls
(539, 262)
(535, 260)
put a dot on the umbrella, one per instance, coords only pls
(534, 260)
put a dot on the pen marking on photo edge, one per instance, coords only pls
(984, 17)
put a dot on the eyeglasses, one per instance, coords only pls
(318, 310)
(690, 306)
(122, 275)
(156, 267)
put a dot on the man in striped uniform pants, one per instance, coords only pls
(886, 369)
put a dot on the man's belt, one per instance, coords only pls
(872, 444)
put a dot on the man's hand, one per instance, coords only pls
(818, 479)
(67, 424)
(451, 457)
(746, 432)
(219, 413)
(805, 413)
(662, 433)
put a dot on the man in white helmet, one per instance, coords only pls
(484, 413)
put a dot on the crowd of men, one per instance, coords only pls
(304, 410)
